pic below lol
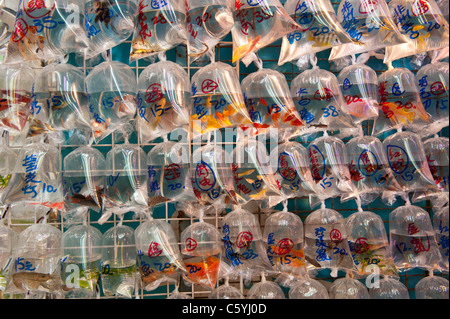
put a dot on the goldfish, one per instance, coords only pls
(243, 50)
(404, 115)
(204, 272)
(36, 281)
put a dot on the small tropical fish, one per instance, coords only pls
(245, 49)
(206, 272)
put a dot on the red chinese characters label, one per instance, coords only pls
(336, 236)
(172, 171)
(323, 94)
(244, 239)
(437, 88)
(190, 244)
(153, 93)
(154, 250)
(37, 9)
(368, 6)
(20, 30)
(420, 7)
(286, 171)
(361, 245)
(284, 246)
(209, 86)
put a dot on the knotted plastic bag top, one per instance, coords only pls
(389, 288)
(308, 288)
(226, 292)
(370, 25)
(84, 176)
(422, 25)
(163, 99)
(318, 29)
(160, 26)
(258, 23)
(111, 88)
(412, 239)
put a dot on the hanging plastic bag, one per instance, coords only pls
(168, 175)
(329, 168)
(326, 243)
(207, 22)
(119, 261)
(84, 172)
(348, 288)
(369, 24)
(163, 99)
(243, 244)
(16, 83)
(8, 159)
(308, 288)
(432, 287)
(160, 26)
(177, 295)
(412, 239)
(226, 292)
(283, 237)
(268, 102)
(109, 23)
(319, 101)
(37, 177)
(258, 23)
(441, 229)
(408, 161)
(126, 180)
(318, 29)
(47, 29)
(211, 177)
(82, 262)
(389, 288)
(217, 99)
(422, 25)
(58, 100)
(253, 176)
(159, 257)
(110, 88)
(265, 290)
(370, 172)
(37, 258)
(8, 11)
(8, 241)
(358, 83)
(400, 102)
(369, 244)
(294, 173)
(201, 250)
(432, 80)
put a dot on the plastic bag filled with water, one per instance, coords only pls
(400, 102)
(268, 101)
(217, 99)
(168, 175)
(441, 227)
(37, 258)
(318, 29)
(293, 171)
(211, 176)
(8, 11)
(412, 239)
(408, 161)
(320, 102)
(8, 159)
(432, 80)
(126, 180)
(348, 288)
(159, 256)
(8, 240)
(253, 176)
(226, 292)
(432, 287)
(369, 24)
(163, 99)
(160, 26)
(84, 175)
(111, 89)
(207, 22)
(369, 244)
(308, 288)
(16, 83)
(329, 168)
(119, 261)
(422, 25)
(58, 100)
(283, 238)
(326, 243)
(109, 23)
(37, 177)
(389, 288)
(371, 175)
(258, 23)
(46, 29)
(82, 260)
(244, 244)
(358, 83)
(201, 250)
(265, 290)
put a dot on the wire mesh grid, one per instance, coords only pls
(177, 218)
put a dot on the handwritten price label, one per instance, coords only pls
(244, 239)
